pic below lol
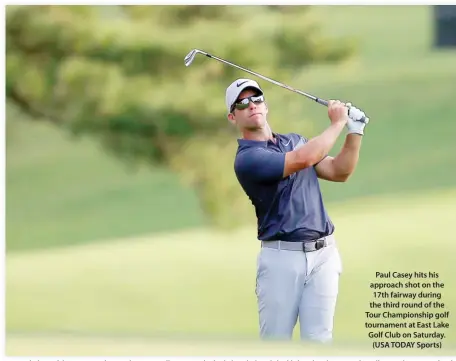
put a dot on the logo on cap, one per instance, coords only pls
(239, 84)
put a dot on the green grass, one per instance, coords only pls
(393, 42)
(200, 284)
(61, 192)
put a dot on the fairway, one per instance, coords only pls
(163, 286)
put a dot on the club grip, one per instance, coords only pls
(325, 103)
(322, 101)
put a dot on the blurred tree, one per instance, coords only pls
(117, 73)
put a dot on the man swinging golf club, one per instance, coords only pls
(298, 265)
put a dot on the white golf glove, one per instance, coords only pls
(355, 124)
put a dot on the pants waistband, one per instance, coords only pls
(308, 246)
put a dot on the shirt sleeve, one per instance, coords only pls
(260, 165)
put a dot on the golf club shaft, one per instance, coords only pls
(318, 100)
(190, 57)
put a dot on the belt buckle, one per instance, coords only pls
(319, 243)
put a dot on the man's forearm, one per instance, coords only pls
(345, 162)
(320, 146)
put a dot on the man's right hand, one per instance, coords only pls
(337, 112)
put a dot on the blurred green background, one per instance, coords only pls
(126, 232)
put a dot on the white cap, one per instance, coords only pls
(236, 88)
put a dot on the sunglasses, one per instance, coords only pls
(244, 103)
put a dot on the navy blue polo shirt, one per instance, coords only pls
(287, 209)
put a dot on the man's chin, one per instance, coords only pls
(253, 127)
(255, 123)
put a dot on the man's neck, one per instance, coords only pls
(261, 135)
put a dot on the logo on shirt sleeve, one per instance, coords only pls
(301, 142)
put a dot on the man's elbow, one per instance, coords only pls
(340, 173)
(342, 176)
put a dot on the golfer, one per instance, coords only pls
(298, 265)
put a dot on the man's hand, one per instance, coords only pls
(354, 123)
(337, 112)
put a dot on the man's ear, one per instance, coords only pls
(266, 105)
(231, 119)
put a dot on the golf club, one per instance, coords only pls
(192, 54)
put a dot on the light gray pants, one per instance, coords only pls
(292, 284)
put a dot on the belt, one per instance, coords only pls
(308, 246)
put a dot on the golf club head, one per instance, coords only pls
(190, 56)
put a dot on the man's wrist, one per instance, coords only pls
(340, 124)
(355, 132)
(353, 140)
